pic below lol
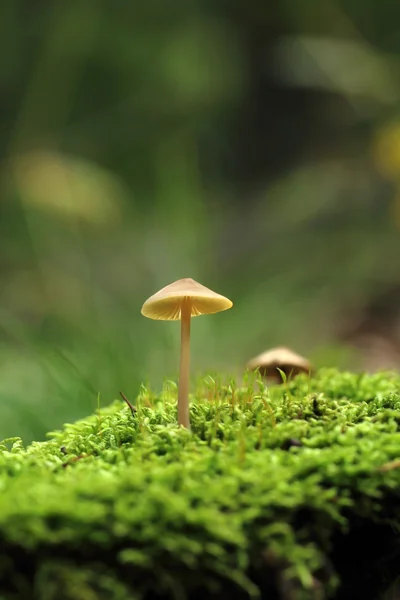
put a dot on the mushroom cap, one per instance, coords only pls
(282, 358)
(166, 304)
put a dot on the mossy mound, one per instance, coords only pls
(290, 492)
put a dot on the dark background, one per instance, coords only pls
(251, 145)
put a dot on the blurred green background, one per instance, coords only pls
(252, 146)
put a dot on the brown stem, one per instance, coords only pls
(183, 392)
(133, 408)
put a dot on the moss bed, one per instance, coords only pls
(287, 492)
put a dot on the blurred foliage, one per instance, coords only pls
(254, 148)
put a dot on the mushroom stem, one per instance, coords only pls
(183, 392)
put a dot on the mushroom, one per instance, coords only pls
(182, 300)
(279, 358)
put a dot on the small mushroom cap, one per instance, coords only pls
(166, 304)
(281, 358)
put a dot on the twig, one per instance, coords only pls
(395, 464)
(73, 460)
(133, 408)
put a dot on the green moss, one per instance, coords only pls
(277, 493)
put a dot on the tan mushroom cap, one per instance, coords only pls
(282, 358)
(166, 304)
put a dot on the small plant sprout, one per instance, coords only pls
(279, 363)
(183, 300)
